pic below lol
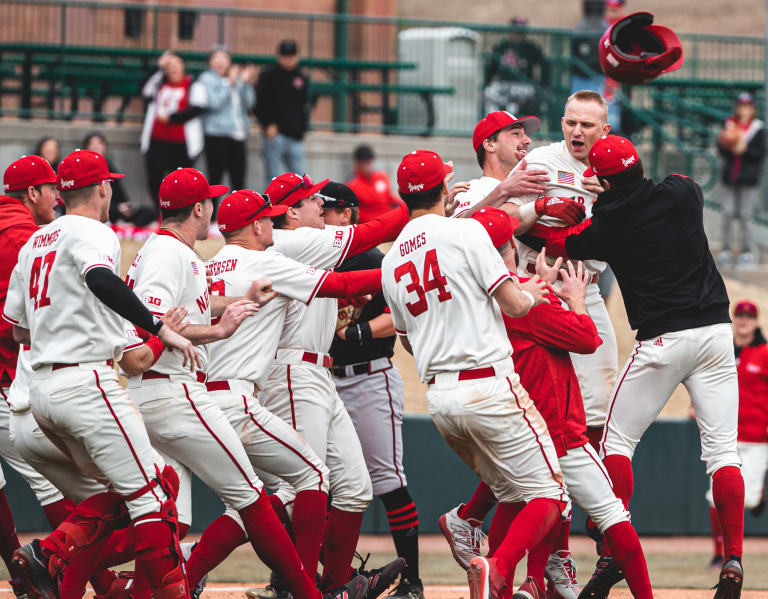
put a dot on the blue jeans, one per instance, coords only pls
(282, 154)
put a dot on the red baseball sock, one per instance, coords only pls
(626, 550)
(534, 522)
(619, 468)
(58, 511)
(220, 538)
(279, 507)
(477, 508)
(274, 547)
(9, 540)
(118, 548)
(717, 531)
(502, 519)
(341, 535)
(538, 556)
(595, 435)
(309, 526)
(79, 570)
(152, 538)
(728, 493)
(563, 537)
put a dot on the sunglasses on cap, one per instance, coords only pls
(267, 204)
(305, 183)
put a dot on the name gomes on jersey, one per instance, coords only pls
(413, 244)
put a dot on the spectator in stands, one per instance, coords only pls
(120, 208)
(282, 111)
(173, 133)
(742, 145)
(229, 97)
(371, 187)
(614, 10)
(48, 147)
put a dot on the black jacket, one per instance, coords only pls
(652, 236)
(282, 98)
(745, 169)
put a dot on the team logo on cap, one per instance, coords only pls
(627, 161)
(164, 203)
(412, 187)
(67, 183)
(6, 187)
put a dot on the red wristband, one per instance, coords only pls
(156, 345)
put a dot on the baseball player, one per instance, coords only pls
(299, 388)
(440, 280)
(541, 341)
(184, 422)
(752, 372)
(69, 293)
(372, 391)
(677, 301)
(235, 376)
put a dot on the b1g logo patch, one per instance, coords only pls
(338, 238)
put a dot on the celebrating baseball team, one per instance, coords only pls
(266, 371)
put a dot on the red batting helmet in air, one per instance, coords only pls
(634, 50)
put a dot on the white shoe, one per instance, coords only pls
(561, 574)
(466, 541)
(746, 260)
(725, 258)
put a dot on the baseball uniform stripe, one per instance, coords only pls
(9, 319)
(283, 443)
(346, 247)
(599, 465)
(613, 399)
(85, 272)
(500, 280)
(125, 436)
(317, 287)
(399, 510)
(224, 447)
(394, 430)
(290, 396)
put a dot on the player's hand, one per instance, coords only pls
(574, 288)
(261, 292)
(172, 340)
(451, 203)
(357, 302)
(547, 273)
(523, 181)
(449, 177)
(174, 318)
(592, 185)
(565, 209)
(233, 315)
(537, 288)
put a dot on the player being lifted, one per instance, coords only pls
(440, 281)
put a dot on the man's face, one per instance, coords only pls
(744, 325)
(364, 167)
(310, 213)
(512, 145)
(106, 199)
(220, 62)
(43, 210)
(583, 124)
(205, 219)
(288, 62)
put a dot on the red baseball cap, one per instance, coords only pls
(611, 154)
(27, 171)
(185, 187)
(421, 170)
(291, 188)
(745, 308)
(496, 121)
(82, 168)
(499, 225)
(241, 208)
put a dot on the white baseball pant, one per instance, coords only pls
(494, 427)
(375, 403)
(304, 396)
(754, 465)
(89, 414)
(703, 360)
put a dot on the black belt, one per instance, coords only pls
(340, 370)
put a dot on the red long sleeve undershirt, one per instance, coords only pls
(379, 230)
(351, 284)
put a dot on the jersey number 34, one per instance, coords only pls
(433, 279)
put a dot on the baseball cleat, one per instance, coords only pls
(408, 590)
(485, 580)
(357, 588)
(528, 590)
(32, 566)
(465, 540)
(561, 574)
(731, 579)
(716, 563)
(607, 573)
(380, 579)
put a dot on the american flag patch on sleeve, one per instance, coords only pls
(195, 270)
(565, 177)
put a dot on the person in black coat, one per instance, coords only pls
(742, 146)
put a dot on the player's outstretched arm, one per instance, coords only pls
(351, 284)
(379, 230)
(139, 360)
(233, 315)
(516, 299)
(260, 292)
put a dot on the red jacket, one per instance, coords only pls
(752, 369)
(374, 194)
(16, 227)
(541, 341)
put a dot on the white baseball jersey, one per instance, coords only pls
(438, 279)
(478, 190)
(565, 174)
(312, 327)
(233, 270)
(67, 323)
(165, 273)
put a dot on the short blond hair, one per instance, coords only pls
(587, 95)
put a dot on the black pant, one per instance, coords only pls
(161, 158)
(225, 155)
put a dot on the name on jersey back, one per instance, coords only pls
(413, 244)
(218, 267)
(46, 239)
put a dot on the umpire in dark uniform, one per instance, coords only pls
(372, 391)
